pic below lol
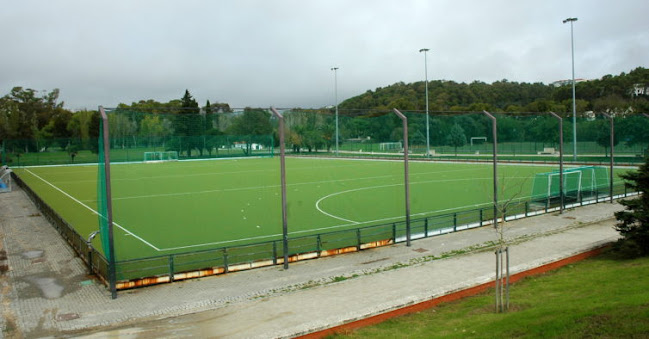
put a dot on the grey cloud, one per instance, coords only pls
(279, 52)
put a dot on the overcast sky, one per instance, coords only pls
(280, 52)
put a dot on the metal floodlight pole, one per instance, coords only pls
(561, 194)
(282, 164)
(406, 182)
(335, 69)
(574, 102)
(494, 132)
(112, 270)
(427, 114)
(612, 140)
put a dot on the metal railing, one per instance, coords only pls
(179, 266)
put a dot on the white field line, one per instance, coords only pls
(243, 188)
(188, 175)
(161, 195)
(351, 222)
(314, 229)
(317, 204)
(92, 210)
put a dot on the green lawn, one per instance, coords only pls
(598, 298)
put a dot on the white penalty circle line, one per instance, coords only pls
(317, 204)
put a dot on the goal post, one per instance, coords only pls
(390, 146)
(160, 156)
(546, 185)
(578, 181)
(478, 140)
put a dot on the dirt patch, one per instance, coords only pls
(593, 325)
(374, 261)
(513, 307)
(4, 266)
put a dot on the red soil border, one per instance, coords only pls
(448, 298)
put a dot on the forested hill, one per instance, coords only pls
(612, 93)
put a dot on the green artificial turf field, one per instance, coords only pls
(186, 206)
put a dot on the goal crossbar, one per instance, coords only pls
(160, 156)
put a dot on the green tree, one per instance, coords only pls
(633, 221)
(456, 137)
(93, 131)
(603, 135)
(188, 125)
(253, 122)
(152, 129)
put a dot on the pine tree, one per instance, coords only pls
(189, 125)
(633, 222)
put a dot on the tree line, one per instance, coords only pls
(612, 94)
(33, 121)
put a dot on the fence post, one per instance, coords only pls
(358, 239)
(494, 131)
(612, 141)
(394, 232)
(527, 207)
(561, 194)
(171, 268)
(426, 227)
(225, 260)
(319, 245)
(282, 163)
(405, 164)
(455, 222)
(112, 262)
(274, 252)
(481, 212)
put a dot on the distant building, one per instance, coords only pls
(640, 89)
(560, 83)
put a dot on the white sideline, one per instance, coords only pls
(92, 210)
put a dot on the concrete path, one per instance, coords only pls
(46, 291)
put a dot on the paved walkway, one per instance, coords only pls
(46, 291)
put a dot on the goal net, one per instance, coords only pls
(390, 146)
(160, 156)
(580, 181)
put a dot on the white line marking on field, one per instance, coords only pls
(245, 188)
(317, 204)
(92, 210)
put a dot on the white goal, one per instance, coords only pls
(160, 156)
(391, 146)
